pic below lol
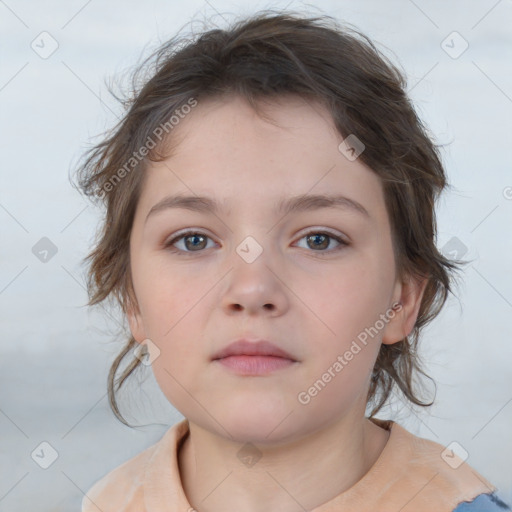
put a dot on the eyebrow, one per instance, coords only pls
(285, 206)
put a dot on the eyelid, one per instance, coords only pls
(178, 235)
(338, 237)
(322, 229)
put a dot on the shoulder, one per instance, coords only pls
(122, 488)
(487, 502)
(433, 475)
(148, 481)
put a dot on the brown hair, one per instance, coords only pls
(266, 56)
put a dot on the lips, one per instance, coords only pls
(244, 347)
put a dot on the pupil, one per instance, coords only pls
(194, 237)
(315, 237)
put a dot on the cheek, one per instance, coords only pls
(176, 384)
(171, 312)
(345, 327)
(348, 300)
(339, 369)
(179, 366)
(170, 298)
(334, 391)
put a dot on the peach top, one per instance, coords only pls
(410, 475)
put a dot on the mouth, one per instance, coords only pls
(260, 357)
(255, 365)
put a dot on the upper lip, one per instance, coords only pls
(252, 348)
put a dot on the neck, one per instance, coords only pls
(300, 475)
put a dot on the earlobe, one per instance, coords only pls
(408, 296)
(136, 323)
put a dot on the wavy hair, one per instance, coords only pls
(269, 55)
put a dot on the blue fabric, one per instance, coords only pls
(483, 503)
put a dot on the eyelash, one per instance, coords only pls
(168, 245)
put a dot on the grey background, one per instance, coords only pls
(55, 353)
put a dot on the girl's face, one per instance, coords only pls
(317, 281)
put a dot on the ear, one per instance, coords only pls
(408, 293)
(135, 321)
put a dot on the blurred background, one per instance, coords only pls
(55, 352)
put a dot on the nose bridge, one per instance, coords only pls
(253, 283)
(254, 234)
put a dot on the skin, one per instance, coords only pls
(310, 305)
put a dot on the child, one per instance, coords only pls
(270, 235)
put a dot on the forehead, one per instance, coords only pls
(225, 150)
(276, 124)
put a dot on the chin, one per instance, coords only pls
(252, 424)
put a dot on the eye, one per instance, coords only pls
(196, 241)
(193, 240)
(319, 240)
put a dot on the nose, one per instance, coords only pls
(255, 288)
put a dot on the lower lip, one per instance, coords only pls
(255, 365)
